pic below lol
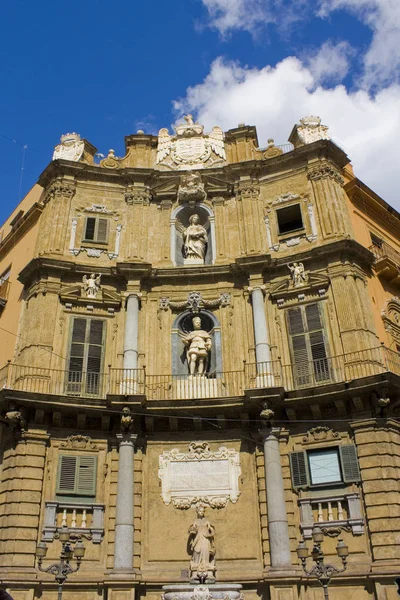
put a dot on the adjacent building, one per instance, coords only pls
(199, 365)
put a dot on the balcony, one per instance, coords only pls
(82, 520)
(227, 384)
(333, 513)
(387, 261)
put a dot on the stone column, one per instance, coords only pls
(261, 337)
(278, 528)
(131, 332)
(124, 526)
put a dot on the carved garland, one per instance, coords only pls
(195, 302)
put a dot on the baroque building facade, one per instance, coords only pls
(199, 365)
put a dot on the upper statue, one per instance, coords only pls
(190, 147)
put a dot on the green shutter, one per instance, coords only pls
(90, 228)
(299, 469)
(348, 458)
(86, 479)
(76, 475)
(102, 230)
(66, 474)
(301, 367)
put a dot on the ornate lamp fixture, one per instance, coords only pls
(321, 571)
(62, 569)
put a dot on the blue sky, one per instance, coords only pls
(107, 69)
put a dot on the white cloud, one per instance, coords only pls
(381, 61)
(331, 62)
(274, 98)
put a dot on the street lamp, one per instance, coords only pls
(321, 571)
(62, 569)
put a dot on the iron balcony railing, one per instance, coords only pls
(117, 382)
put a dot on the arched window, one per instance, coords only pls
(180, 221)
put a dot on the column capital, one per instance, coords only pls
(261, 287)
(274, 433)
(126, 439)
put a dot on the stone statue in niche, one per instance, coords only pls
(298, 274)
(198, 345)
(202, 546)
(195, 241)
(91, 285)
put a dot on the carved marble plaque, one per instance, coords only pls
(199, 475)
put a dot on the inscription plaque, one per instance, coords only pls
(199, 475)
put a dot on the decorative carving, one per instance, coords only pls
(202, 545)
(126, 420)
(295, 241)
(98, 208)
(198, 345)
(310, 130)
(111, 161)
(195, 240)
(60, 188)
(320, 433)
(91, 285)
(191, 189)
(79, 442)
(391, 317)
(286, 197)
(298, 274)
(324, 170)
(246, 188)
(267, 413)
(199, 475)
(195, 302)
(201, 592)
(71, 148)
(271, 151)
(15, 417)
(190, 148)
(335, 531)
(138, 195)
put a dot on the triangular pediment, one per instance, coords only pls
(76, 294)
(315, 286)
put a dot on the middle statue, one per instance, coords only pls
(198, 345)
(194, 240)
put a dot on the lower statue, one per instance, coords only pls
(201, 541)
(198, 344)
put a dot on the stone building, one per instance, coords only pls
(200, 364)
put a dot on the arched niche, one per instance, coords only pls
(391, 318)
(182, 325)
(183, 213)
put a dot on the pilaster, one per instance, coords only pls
(326, 183)
(137, 199)
(54, 225)
(20, 498)
(249, 216)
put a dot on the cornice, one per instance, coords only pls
(26, 221)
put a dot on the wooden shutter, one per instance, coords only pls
(299, 469)
(299, 346)
(102, 230)
(94, 356)
(90, 228)
(348, 459)
(77, 475)
(86, 476)
(66, 474)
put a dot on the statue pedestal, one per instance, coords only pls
(193, 261)
(198, 387)
(205, 591)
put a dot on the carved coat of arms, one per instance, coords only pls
(190, 148)
(70, 148)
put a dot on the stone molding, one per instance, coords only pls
(195, 302)
(138, 195)
(79, 442)
(60, 188)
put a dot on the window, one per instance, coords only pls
(4, 283)
(376, 240)
(86, 357)
(76, 475)
(289, 219)
(307, 344)
(337, 464)
(96, 230)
